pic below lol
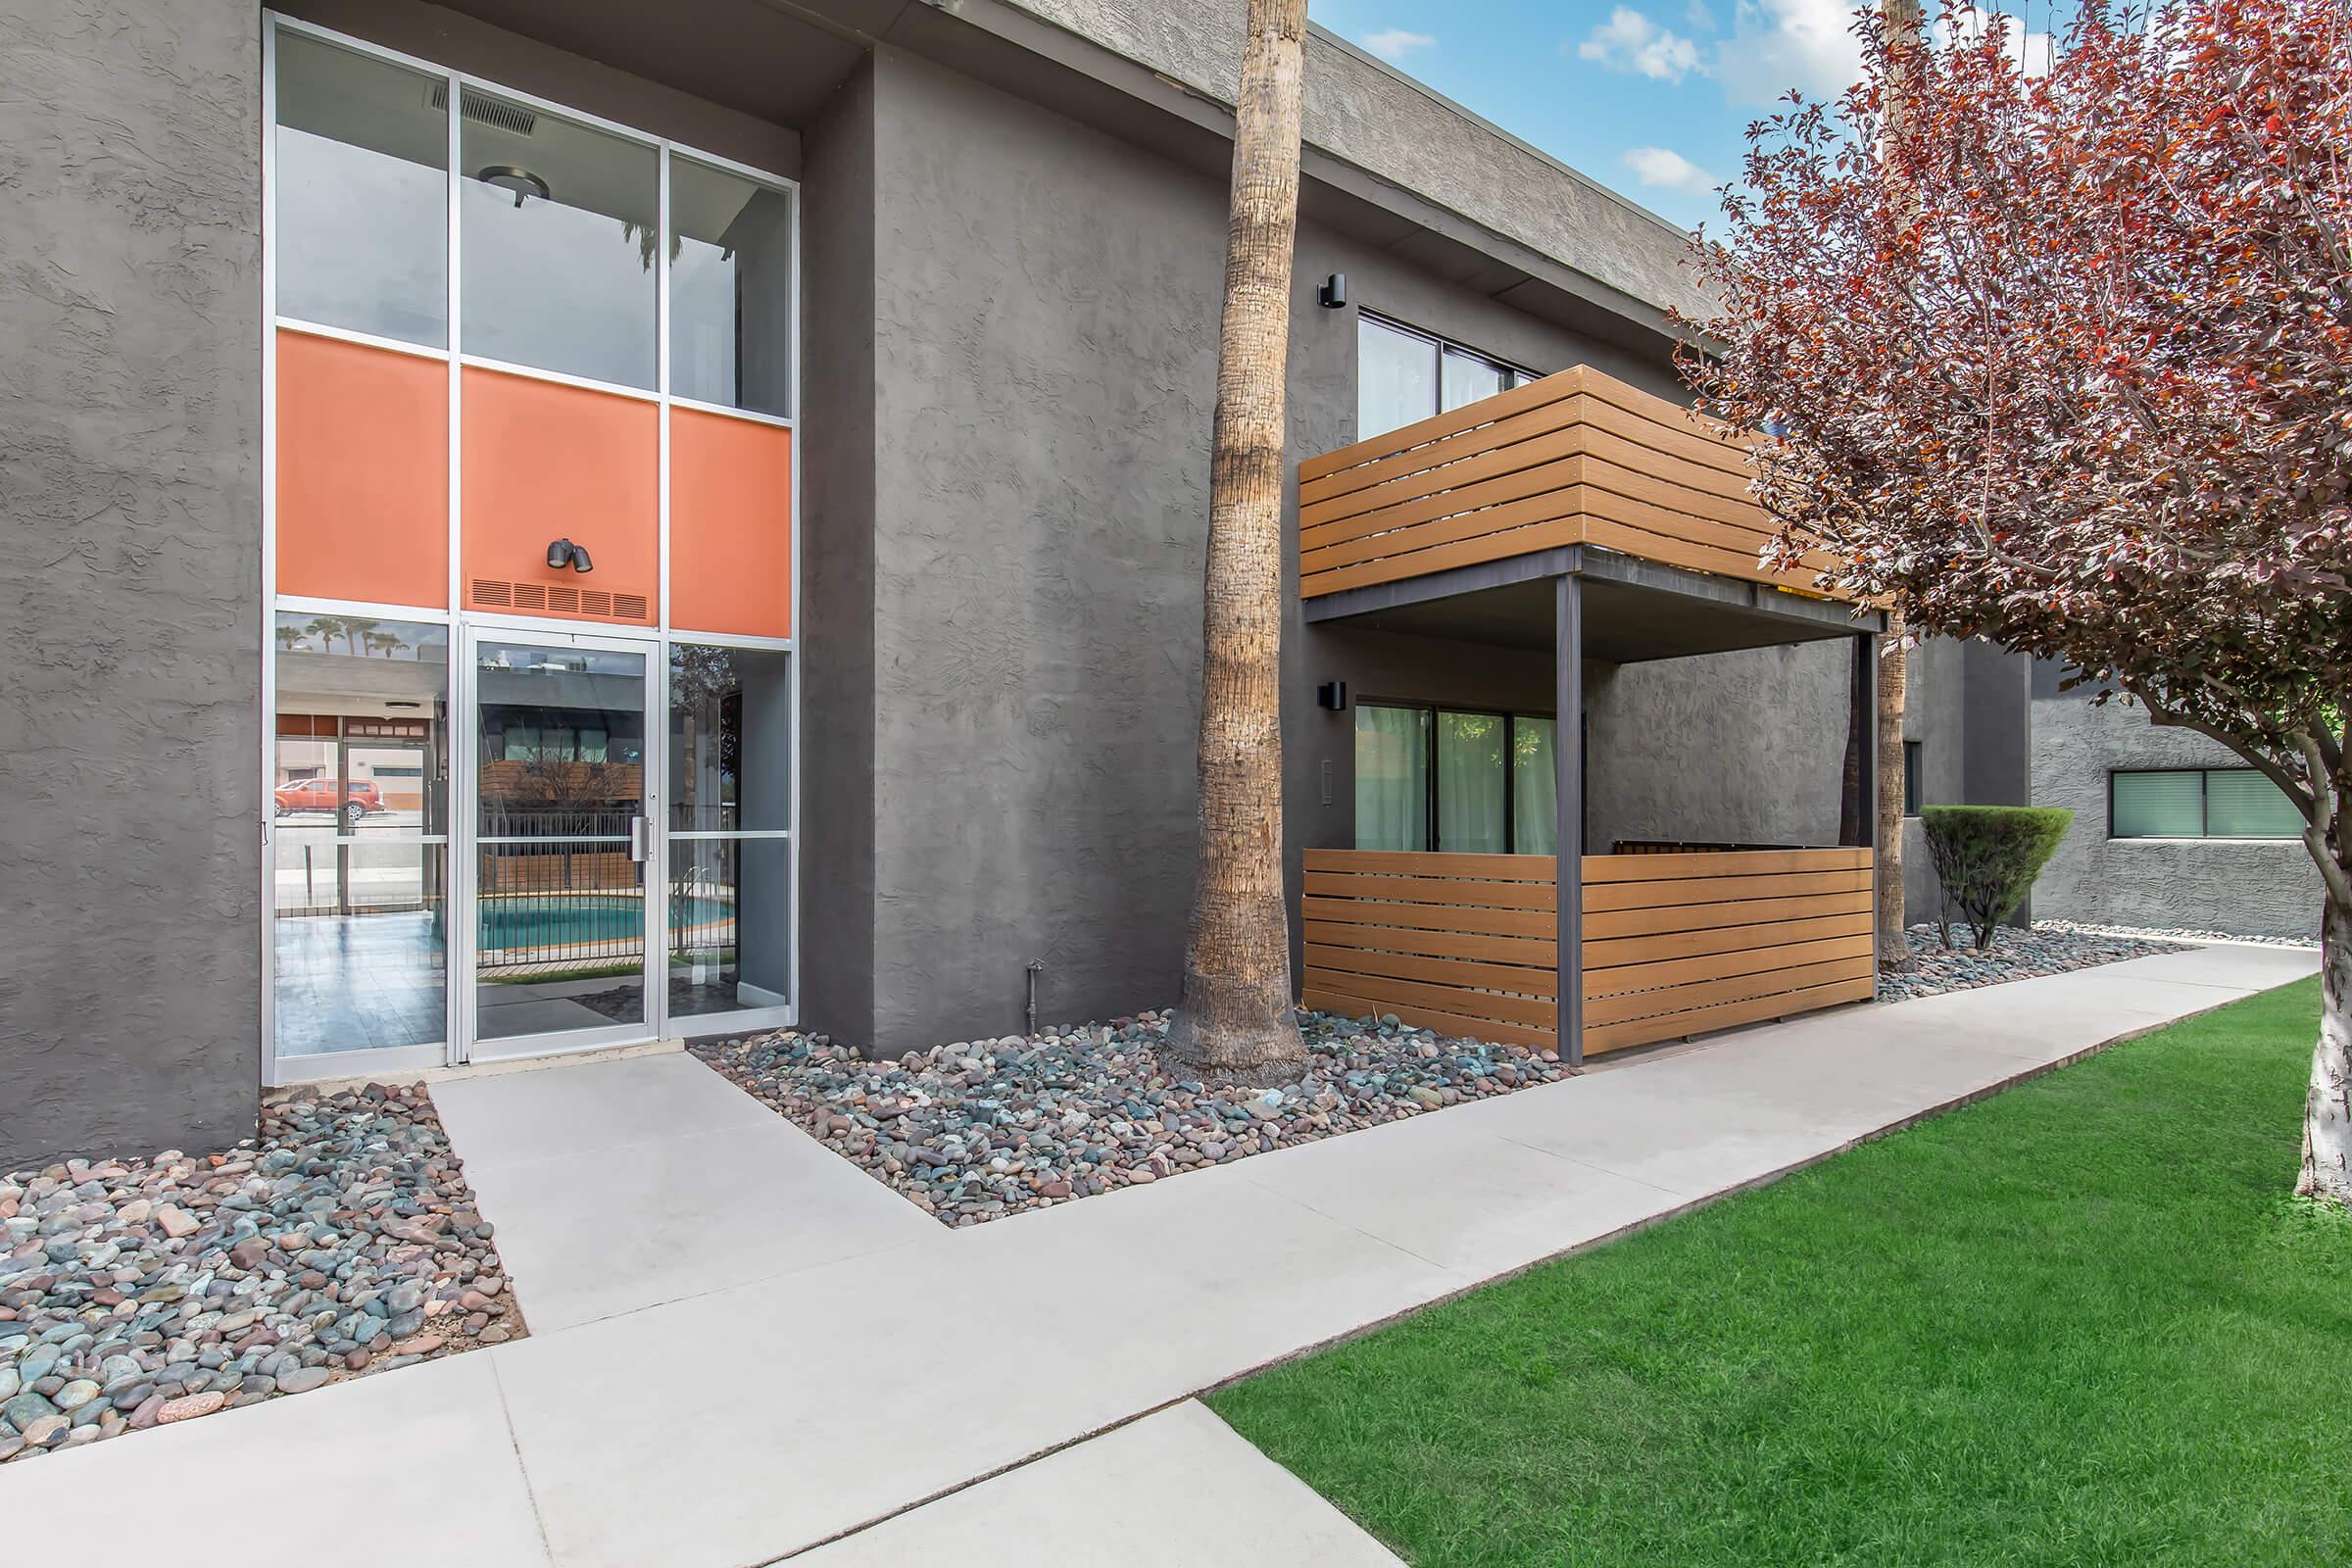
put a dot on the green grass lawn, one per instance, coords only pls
(2078, 1323)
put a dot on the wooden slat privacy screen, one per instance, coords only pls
(1680, 944)
(1576, 457)
(1673, 944)
(1461, 944)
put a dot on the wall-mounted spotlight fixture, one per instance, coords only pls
(507, 178)
(1332, 292)
(563, 553)
(1332, 693)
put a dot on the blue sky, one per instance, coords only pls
(1649, 97)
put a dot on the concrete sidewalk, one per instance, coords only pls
(742, 1346)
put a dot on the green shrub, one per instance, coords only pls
(1987, 856)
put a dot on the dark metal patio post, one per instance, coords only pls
(1858, 811)
(1568, 762)
(1866, 649)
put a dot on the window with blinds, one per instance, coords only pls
(2198, 803)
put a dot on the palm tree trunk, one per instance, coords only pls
(1894, 939)
(1233, 1017)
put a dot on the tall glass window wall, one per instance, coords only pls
(561, 256)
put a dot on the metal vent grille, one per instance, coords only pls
(558, 599)
(511, 117)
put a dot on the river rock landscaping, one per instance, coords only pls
(139, 1293)
(2184, 933)
(2014, 955)
(980, 1129)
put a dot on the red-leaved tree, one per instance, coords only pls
(2068, 363)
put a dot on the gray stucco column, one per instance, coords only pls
(131, 504)
(1568, 763)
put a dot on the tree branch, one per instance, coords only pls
(2168, 718)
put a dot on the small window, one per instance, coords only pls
(1403, 375)
(2212, 802)
(1911, 779)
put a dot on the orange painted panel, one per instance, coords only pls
(540, 462)
(363, 473)
(730, 524)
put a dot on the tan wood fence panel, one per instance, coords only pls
(1674, 942)
(1678, 943)
(1461, 944)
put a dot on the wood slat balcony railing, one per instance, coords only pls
(1576, 457)
(1673, 943)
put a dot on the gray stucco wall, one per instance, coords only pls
(1741, 747)
(1042, 381)
(2249, 887)
(129, 575)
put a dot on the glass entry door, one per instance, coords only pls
(563, 814)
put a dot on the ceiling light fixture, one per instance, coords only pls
(507, 177)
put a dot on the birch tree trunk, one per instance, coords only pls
(1234, 1021)
(2327, 1109)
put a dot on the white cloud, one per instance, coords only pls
(1810, 45)
(1666, 168)
(1779, 44)
(1699, 15)
(1630, 42)
(1392, 44)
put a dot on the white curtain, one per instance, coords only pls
(1534, 786)
(1470, 783)
(1392, 778)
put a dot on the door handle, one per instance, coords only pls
(640, 839)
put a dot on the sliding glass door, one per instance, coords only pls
(1460, 781)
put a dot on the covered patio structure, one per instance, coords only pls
(1584, 516)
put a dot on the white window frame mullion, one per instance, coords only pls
(459, 869)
